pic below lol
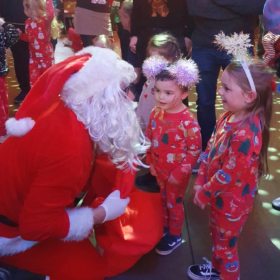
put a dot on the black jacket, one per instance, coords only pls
(9, 35)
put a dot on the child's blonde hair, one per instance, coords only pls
(37, 8)
(105, 41)
(262, 105)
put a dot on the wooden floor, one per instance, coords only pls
(259, 244)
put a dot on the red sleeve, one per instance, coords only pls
(193, 141)
(235, 165)
(50, 12)
(63, 170)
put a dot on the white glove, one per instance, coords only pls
(114, 206)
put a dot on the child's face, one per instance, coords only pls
(169, 96)
(233, 97)
(31, 13)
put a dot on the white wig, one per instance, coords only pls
(95, 94)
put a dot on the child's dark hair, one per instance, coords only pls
(167, 46)
(262, 105)
(166, 76)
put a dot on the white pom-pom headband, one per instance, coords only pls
(238, 45)
(184, 71)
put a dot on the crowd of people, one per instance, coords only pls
(78, 122)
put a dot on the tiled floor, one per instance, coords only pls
(259, 244)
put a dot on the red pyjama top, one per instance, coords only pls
(229, 170)
(176, 143)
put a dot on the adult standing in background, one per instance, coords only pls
(151, 17)
(12, 11)
(210, 17)
(92, 18)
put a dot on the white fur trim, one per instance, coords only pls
(11, 246)
(19, 127)
(81, 223)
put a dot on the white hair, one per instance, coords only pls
(107, 113)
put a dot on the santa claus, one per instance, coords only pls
(75, 106)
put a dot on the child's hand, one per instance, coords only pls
(153, 170)
(172, 180)
(197, 202)
(196, 188)
(19, 31)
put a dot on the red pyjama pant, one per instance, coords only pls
(172, 197)
(225, 232)
(37, 66)
(4, 106)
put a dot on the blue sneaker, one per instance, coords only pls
(168, 243)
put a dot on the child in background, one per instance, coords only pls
(235, 159)
(9, 35)
(39, 29)
(167, 46)
(176, 141)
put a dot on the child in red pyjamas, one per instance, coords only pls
(235, 158)
(176, 142)
(9, 35)
(39, 29)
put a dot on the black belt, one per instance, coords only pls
(4, 220)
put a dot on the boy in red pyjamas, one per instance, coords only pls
(39, 29)
(176, 142)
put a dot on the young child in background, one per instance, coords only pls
(39, 29)
(9, 35)
(176, 141)
(235, 159)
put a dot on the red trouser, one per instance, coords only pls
(4, 106)
(172, 197)
(37, 66)
(224, 233)
(61, 260)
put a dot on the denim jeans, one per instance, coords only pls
(209, 62)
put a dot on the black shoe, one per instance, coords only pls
(147, 183)
(276, 204)
(19, 99)
(146, 180)
(203, 271)
(168, 244)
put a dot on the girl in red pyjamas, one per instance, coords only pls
(234, 161)
(39, 29)
(9, 35)
(176, 141)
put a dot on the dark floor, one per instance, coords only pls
(259, 244)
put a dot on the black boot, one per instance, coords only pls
(19, 99)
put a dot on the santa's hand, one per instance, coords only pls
(114, 206)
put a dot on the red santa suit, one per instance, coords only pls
(44, 165)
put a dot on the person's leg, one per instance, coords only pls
(225, 255)
(87, 40)
(165, 212)
(207, 61)
(4, 107)
(61, 260)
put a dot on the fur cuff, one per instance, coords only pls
(20, 127)
(81, 223)
(11, 246)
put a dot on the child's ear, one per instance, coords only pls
(185, 94)
(250, 96)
